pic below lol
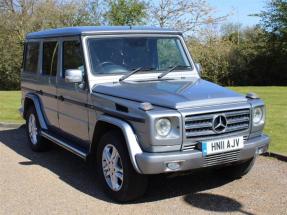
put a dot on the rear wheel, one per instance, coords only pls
(238, 170)
(35, 140)
(115, 170)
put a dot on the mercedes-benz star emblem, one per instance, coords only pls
(219, 123)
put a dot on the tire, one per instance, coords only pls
(35, 141)
(238, 170)
(127, 185)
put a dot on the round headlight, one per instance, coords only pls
(163, 127)
(257, 115)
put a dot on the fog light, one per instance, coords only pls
(173, 165)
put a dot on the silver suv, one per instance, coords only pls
(132, 100)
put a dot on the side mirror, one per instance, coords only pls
(198, 68)
(73, 76)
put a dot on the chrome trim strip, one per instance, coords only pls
(64, 145)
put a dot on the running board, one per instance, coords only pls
(64, 144)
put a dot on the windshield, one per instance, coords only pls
(122, 55)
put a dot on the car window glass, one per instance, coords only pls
(121, 55)
(72, 56)
(50, 58)
(31, 57)
(168, 53)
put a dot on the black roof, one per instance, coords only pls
(88, 30)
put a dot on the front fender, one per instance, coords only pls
(129, 135)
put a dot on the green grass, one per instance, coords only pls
(10, 102)
(274, 97)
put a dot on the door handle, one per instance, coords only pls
(61, 98)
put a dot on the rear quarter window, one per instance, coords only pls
(31, 57)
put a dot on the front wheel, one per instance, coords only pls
(116, 172)
(238, 170)
(36, 142)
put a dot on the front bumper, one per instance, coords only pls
(155, 163)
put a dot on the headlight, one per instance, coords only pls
(163, 127)
(258, 115)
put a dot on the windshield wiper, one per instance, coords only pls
(172, 69)
(135, 71)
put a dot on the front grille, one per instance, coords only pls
(200, 125)
(222, 158)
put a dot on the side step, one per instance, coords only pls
(81, 152)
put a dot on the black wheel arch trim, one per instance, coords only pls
(38, 107)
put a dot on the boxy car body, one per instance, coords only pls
(161, 117)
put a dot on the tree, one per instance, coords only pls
(274, 22)
(274, 19)
(18, 17)
(232, 32)
(247, 56)
(126, 12)
(186, 15)
(213, 55)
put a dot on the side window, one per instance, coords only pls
(31, 57)
(168, 53)
(72, 56)
(50, 58)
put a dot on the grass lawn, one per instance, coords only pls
(276, 117)
(10, 102)
(274, 97)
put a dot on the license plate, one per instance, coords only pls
(222, 145)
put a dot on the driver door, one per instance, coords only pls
(73, 97)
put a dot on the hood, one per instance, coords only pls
(175, 94)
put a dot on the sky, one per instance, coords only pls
(240, 9)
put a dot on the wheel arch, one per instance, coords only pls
(32, 99)
(106, 123)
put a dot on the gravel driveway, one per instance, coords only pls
(57, 182)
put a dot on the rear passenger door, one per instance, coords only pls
(47, 80)
(73, 97)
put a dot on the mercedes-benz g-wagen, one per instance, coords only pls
(132, 99)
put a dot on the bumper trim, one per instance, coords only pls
(155, 163)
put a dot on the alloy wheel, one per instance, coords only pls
(112, 167)
(33, 131)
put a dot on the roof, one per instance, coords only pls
(93, 30)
